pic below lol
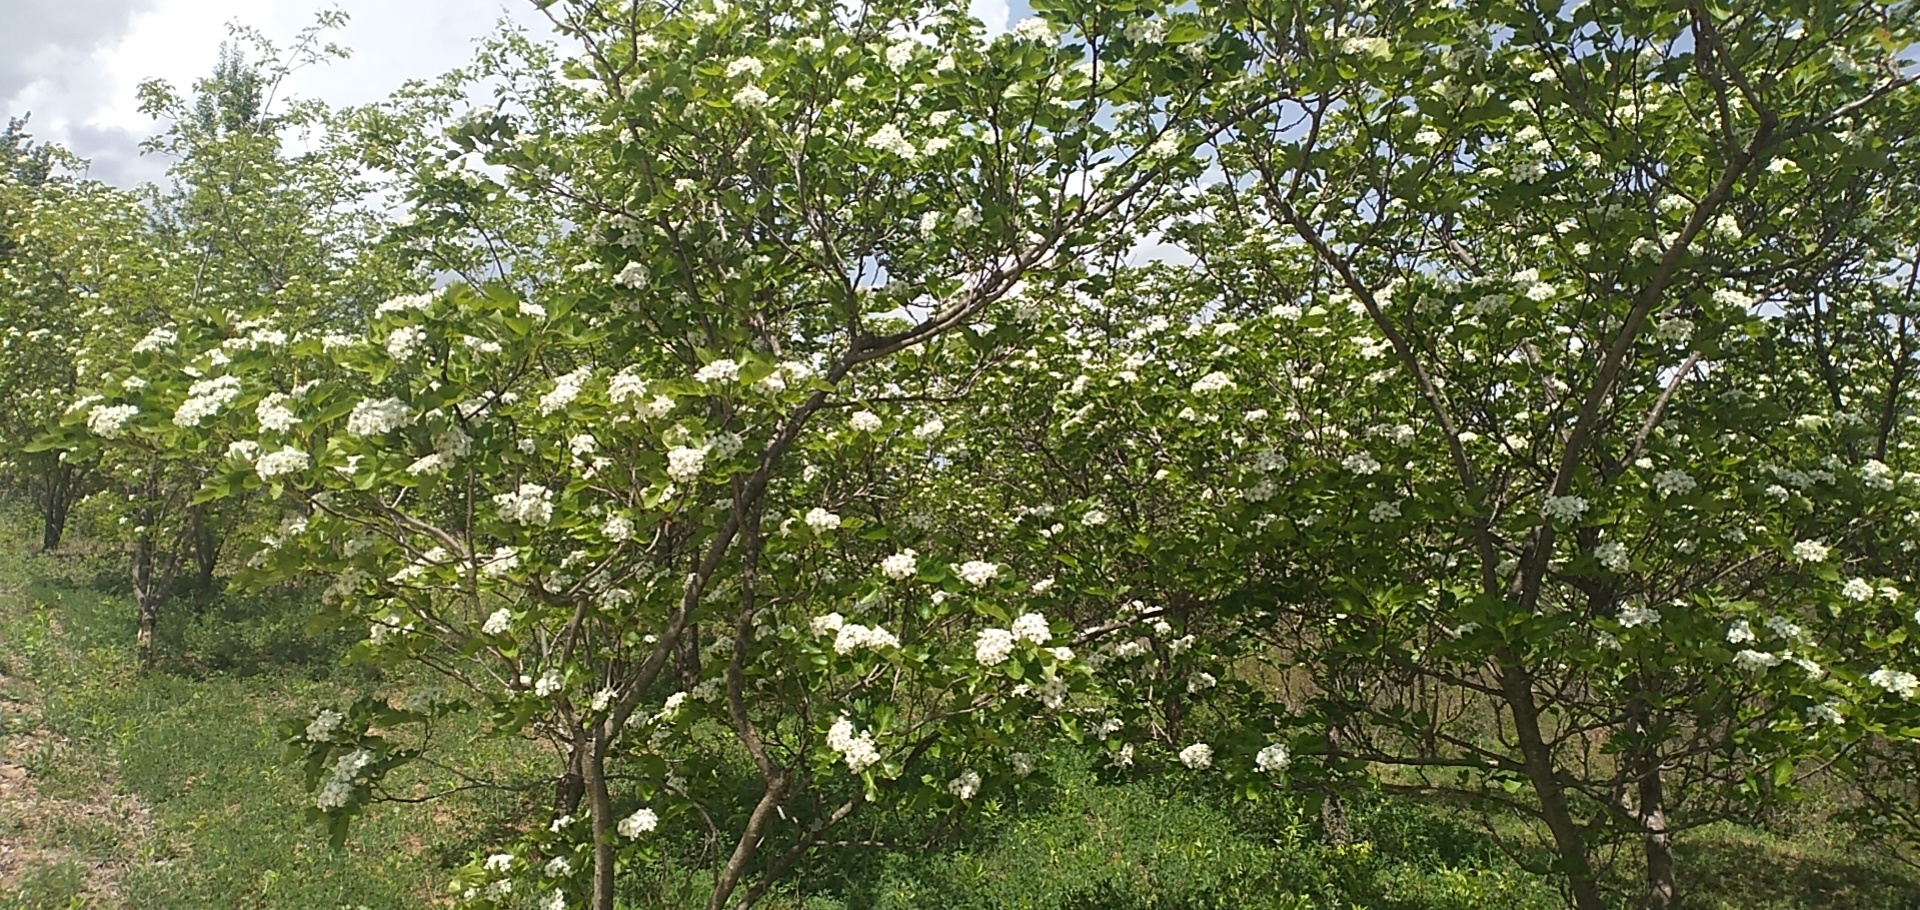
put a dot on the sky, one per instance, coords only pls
(74, 64)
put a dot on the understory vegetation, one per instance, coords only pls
(164, 791)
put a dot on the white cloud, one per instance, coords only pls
(992, 12)
(97, 115)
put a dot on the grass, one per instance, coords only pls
(207, 814)
(167, 791)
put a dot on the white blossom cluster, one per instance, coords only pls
(338, 789)
(109, 421)
(856, 749)
(377, 418)
(205, 398)
(642, 821)
(531, 504)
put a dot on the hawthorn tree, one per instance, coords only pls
(554, 499)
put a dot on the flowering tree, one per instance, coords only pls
(245, 229)
(1531, 420)
(1575, 551)
(657, 472)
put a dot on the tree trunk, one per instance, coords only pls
(687, 658)
(1333, 812)
(148, 594)
(206, 555)
(600, 807)
(572, 786)
(1662, 892)
(55, 502)
(1649, 803)
(1516, 688)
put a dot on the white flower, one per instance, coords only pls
(428, 464)
(1384, 511)
(324, 725)
(751, 97)
(828, 624)
(1035, 29)
(933, 426)
(853, 636)
(375, 418)
(109, 421)
(632, 275)
(992, 647)
(404, 341)
(1857, 589)
(889, 139)
(1272, 759)
(617, 528)
(864, 421)
(1825, 713)
(1897, 682)
(721, 370)
(977, 572)
(1062, 654)
(205, 398)
(821, 520)
(557, 898)
(1361, 463)
(156, 339)
(1198, 757)
(498, 622)
(857, 750)
(340, 785)
(1032, 627)
(1200, 682)
(276, 464)
(1564, 508)
(1755, 660)
(900, 566)
(1811, 551)
(1212, 382)
(274, 415)
(532, 504)
(1673, 330)
(1739, 632)
(1612, 555)
(1094, 518)
(548, 683)
(1023, 764)
(499, 862)
(1633, 615)
(684, 464)
(640, 822)
(965, 786)
(565, 389)
(1673, 481)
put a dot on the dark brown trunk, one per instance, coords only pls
(1516, 688)
(55, 502)
(206, 557)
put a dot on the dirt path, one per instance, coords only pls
(64, 831)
